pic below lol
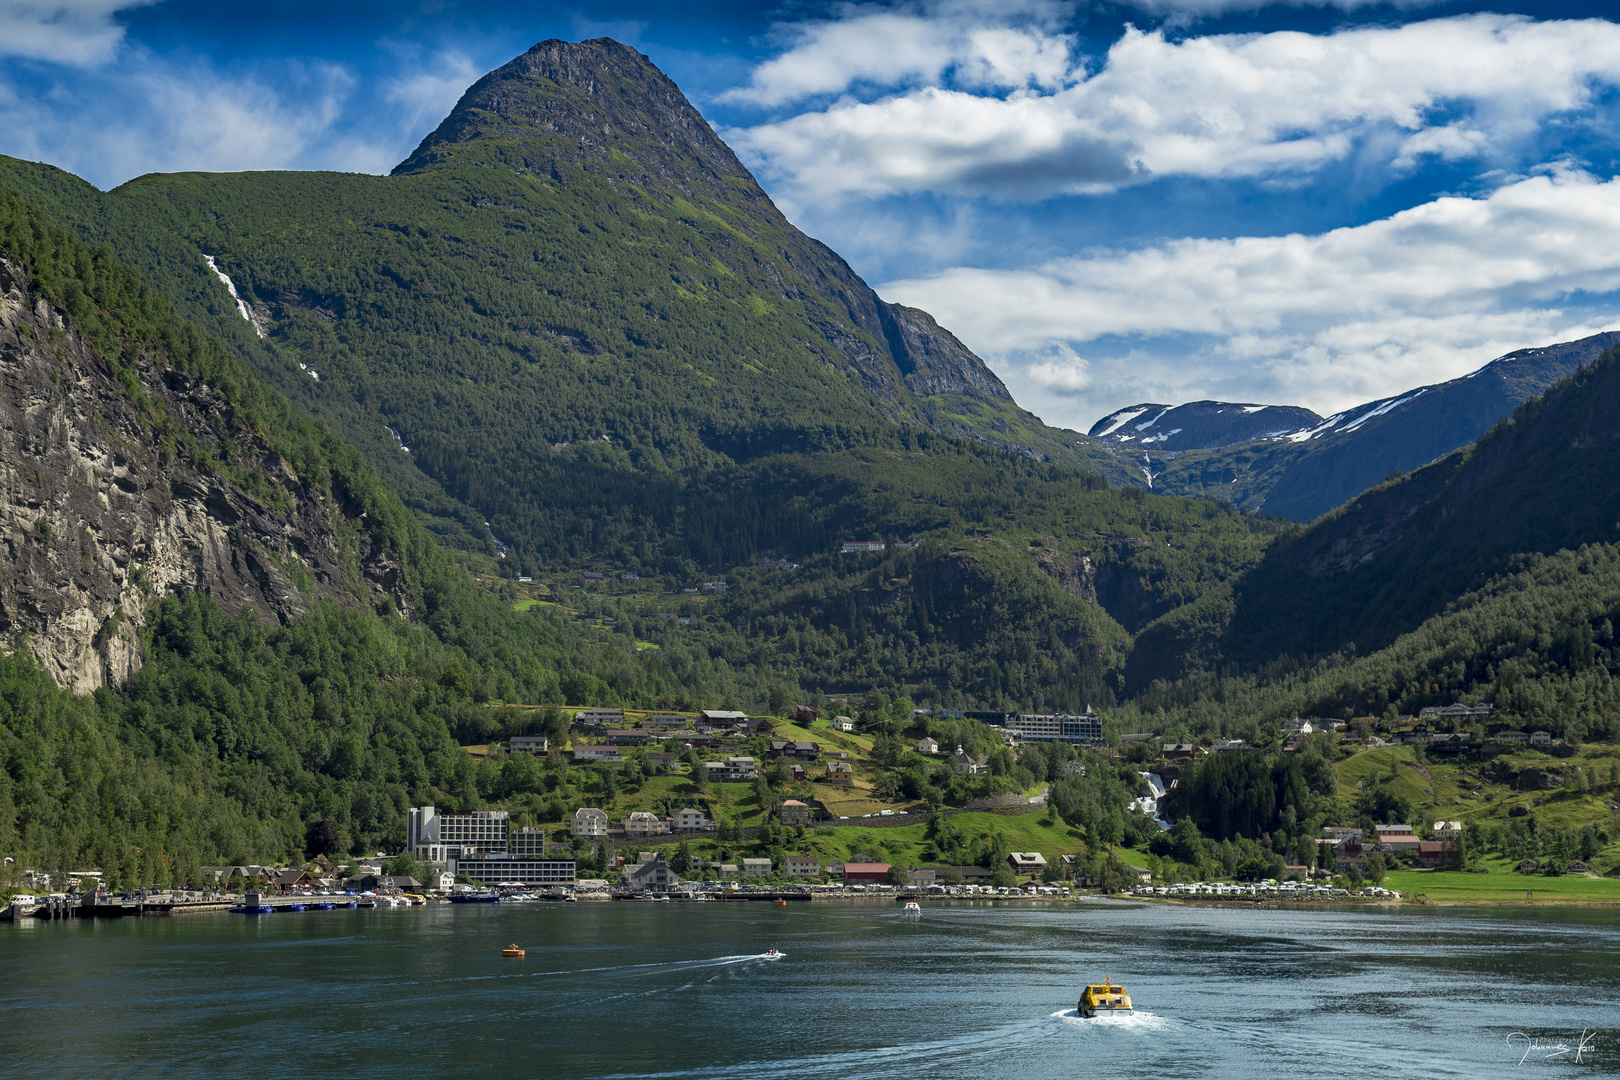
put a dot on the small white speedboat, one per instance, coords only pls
(912, 908)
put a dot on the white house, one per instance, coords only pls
(598, 753)
(527, 744)
(842, 723)
(590, 822)
(927, 746)
(642, 823)
(691, 819)
(732, 770)
(802, 866)
(756, 868)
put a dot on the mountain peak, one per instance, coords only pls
(595, 105)
(1200, 425)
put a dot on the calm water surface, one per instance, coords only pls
(632, 990)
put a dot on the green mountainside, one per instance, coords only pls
(568, 299)
(236, 731)
(594, 332)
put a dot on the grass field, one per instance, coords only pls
(1503, 888)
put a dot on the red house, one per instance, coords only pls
(866, 873)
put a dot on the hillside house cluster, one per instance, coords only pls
(593, 823)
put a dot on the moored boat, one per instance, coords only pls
(1103, 1000)
(912, 908)
(480, 896)
(513, 951)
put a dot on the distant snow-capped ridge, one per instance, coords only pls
(1201, 425)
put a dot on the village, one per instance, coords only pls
(723, 803)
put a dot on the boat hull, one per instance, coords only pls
(1089, 1013)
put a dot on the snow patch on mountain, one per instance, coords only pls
(1119, 420)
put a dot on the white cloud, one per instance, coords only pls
(150, 113)
(1063, 371)
(165, 118)
(78, 32)
(427, 96)
(1204, 8)
(995, 46)
(1323, 321)
(1251, 105)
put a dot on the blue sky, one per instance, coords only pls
(1311, 204)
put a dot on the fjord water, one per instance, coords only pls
(683, 990)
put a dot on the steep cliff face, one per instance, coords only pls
(100, 516)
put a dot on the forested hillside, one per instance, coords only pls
(563, 326)
(237, 730)
(1488, 575)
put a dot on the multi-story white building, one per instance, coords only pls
(433, 836)
(528, 842)
(590, 822)
(1083, 727)
(642, 823)
(691, 819)
(666, 721)
(527, 744)
(732, 770)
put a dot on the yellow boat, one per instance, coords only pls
(1103, 1000)
(781, 902)
(512, 951)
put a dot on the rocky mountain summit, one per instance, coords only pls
(103, 511)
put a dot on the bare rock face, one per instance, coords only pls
(100, 518)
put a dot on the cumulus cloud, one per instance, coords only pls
(150, 113)
(1324, 320)
(78, 32)
(991, 46)
(1205, 8)
(168, 118)
(1220, 106)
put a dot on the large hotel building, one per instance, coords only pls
(479, 846)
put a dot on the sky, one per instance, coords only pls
(1296, 203)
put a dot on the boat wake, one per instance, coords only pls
(1136, 1019)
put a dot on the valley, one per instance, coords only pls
(316, 483)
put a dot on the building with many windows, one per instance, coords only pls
(590, 822)
(495, 869)
(1083, 728)
(528, 842)
(433, 836)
